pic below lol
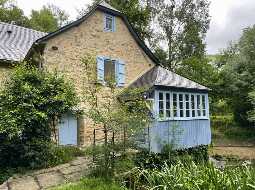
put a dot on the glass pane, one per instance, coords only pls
(187, 105)
(193, 113)
(174, 97)
(180, 97)
(198, 102)
(161, 113)
(186, 97)
(168, 113)
(204, 113)
(181, 105)
(175, 113)
(181, 113)
(192, 102)
(160, 96)
(161, 105)
(203, 102)
(108, 23)
(109, 70)
(167, 101)
(187, 113)
(198, 113)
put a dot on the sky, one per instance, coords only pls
(228, 17)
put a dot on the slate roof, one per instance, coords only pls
(159, 76)
(16, 41)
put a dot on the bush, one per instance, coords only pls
(148, 160)
(30, 102)
(225, 121)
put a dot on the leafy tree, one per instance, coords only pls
(10, 12)
(30, 102)
(122, 112)
(238, 75)
(48, 19)
(181, 26)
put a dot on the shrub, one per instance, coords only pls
(30, 102)
(146, 159)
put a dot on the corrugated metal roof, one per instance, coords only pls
(159, 76)
(15, 41)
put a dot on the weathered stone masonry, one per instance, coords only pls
(89, 38)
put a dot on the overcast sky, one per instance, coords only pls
(229, 17)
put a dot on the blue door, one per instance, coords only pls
(68, 130)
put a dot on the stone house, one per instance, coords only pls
(106, 33)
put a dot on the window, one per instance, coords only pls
(179, 105)
(187, 105)
(110, 70)
(175, 104)
(109, 23)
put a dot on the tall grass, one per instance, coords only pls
(186, 176)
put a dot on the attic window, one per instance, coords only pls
(109, 23)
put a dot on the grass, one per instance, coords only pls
(91, 184)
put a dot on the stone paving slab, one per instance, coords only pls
(46, 178)
(50, 179)
(25, 183)
(4, 186)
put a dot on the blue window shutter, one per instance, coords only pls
(120, 73)
(100, 69)
(113, 24)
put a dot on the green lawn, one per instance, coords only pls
(91, 184)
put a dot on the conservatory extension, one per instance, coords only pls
(180, 110)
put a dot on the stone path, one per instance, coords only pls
(47, 178)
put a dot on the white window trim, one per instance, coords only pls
(156, 106)
(113, 23)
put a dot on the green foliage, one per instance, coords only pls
(30, 102)
(222, 121)
(92, 184)
(41, 155)
(149, 160)
(188, 175)
(48, 19)
(182, 26)
(251, 113)
(237, 75)
(9, 12)
(118, 111)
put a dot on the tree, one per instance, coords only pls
(48, 19)
(123, 113)
(30, 102)
(181, 27)
(238, 74)
(10, 12)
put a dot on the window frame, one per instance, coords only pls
(113, 23)
(171, 93)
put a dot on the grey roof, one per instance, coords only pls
(104, 4)
(159, 76)
(16, 41)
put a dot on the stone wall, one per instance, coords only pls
(4, 71)
(89, 38)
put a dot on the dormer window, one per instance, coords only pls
(109, 23)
